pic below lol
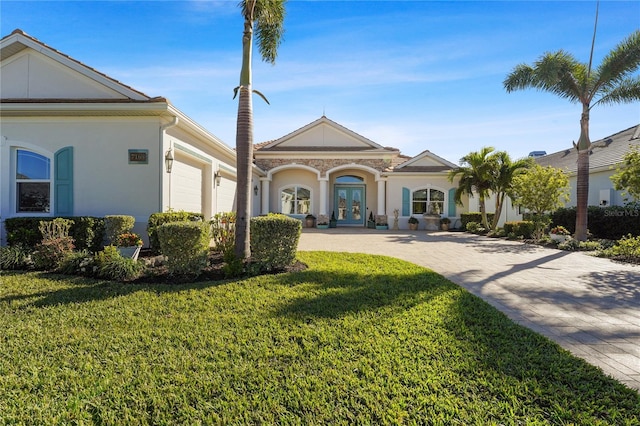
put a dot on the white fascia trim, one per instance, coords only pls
(83, 108)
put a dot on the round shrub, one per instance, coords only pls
(115, 225)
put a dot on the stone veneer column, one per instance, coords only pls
(264, 208)
(382, 196)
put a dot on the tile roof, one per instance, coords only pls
(605, 152)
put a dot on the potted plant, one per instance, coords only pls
(333, 222)
(310, 220)
(323, 222)
(381, 222)
(559, 234)
(371, 223)
(129, 245)
(413, 223)
(444, 223)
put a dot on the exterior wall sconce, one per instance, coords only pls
(217, 178)
(168, 160)
(255, 190)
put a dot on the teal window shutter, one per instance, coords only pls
(63, 182)
(452, 202)
(406, 202)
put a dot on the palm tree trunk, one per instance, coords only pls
(244, 143)
(483, 212)
(499, 204)
(244, 153)
(582, 179)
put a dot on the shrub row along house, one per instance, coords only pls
(75, 142)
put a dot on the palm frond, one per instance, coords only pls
(619, 63)
(627, 91)
(269, 20)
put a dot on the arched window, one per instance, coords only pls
(33, 182)
(295, 200)
(430, 201)
(349, 179)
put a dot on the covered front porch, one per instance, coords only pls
(349, 193)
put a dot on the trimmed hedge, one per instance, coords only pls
(186, 245)
(157, 219)
(613, 222)
(115, 225)
(520, 228)
(474, 217)
(87, 231)
(274, 241)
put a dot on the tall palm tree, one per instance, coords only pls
(476, 173)
(611, 82)
(504, 171)
(266, 19)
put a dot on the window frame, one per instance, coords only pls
(296, 200)
(427, 201)
(16, 182)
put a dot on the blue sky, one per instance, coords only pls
(414, 75)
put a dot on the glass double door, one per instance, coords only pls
(350, 205)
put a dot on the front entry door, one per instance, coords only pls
(350, 205)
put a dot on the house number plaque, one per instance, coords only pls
(138, 156)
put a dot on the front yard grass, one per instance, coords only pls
(354, 339)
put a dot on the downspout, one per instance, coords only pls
(163, 128)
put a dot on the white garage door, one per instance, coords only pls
(187, 185)
(226, 195)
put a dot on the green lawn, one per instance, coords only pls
(355, 339)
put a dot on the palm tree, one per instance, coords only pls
(476, 173)
(266, 18)
(504, 171)
(610, 83)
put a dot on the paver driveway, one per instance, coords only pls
(588, 305)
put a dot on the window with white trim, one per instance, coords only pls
(33, 182)
(428, 200)
(295, 200)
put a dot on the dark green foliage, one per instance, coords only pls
(473, 217)
(158, 219)
(611, 222)
(87, 231)
(274, 241)
(521, 228)
(186, 246)
(114, 225)
(14, 257)
(78, 263)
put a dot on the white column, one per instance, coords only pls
(323, 195)
(264, 209)
(382, 196)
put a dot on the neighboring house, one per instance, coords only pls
(76, 142)
(324, 168)
(604, 157)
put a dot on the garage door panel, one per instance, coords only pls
(187, 185)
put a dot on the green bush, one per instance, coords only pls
(14, 257)
(87, 231)
(56, 244)
(465, 218)
(627, 248)
(611, 222)
(80, 262)
(520, 228)
(111, 266)
(186, 246)
(157, 219)
(48, 254)
(115, 225)
(274, 241)
(223, 232)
